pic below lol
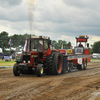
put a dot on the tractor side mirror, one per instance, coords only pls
(49, 42)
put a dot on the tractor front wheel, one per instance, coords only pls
(40, 70)
(16, 71)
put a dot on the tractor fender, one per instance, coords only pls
(50, 51)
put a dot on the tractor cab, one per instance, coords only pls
(80, 48)
(37, 45)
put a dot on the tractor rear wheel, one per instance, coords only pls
(49, 60)
(16, 71)
(58, 63)
(40, 70)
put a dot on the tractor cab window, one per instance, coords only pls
(35, 45)
(46, 44)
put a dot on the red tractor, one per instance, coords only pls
(39, 58)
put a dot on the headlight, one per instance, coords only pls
(28, 61)
(24, 61)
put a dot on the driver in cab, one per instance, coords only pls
(38, 46)
(80, 45)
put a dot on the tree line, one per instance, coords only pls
(15, 40)
(19, 40)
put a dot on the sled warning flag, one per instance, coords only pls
(9, 42)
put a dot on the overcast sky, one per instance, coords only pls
(58, 19)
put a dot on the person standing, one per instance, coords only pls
(13, 56)
(80, 45)
(2, 56)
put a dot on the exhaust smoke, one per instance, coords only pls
(31, 13)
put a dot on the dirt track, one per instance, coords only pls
(79, 85)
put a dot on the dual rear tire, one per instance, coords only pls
(54, 64)
(58, 63)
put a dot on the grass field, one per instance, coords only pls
(7, 63)
(95, 59)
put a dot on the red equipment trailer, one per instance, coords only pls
(39, 58)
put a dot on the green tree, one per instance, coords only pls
(96, 47)
(68, 45)
(54, 43)
(19, 40)
(58, 45)
(91, 51)
(4, 40)
(16, 40)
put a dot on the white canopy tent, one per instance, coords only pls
(0, 50)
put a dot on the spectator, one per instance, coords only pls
(13, 56)
(80, 45)
(2, 56)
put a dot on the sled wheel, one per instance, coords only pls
(85, 64)
(68, 66)
(82, 66)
